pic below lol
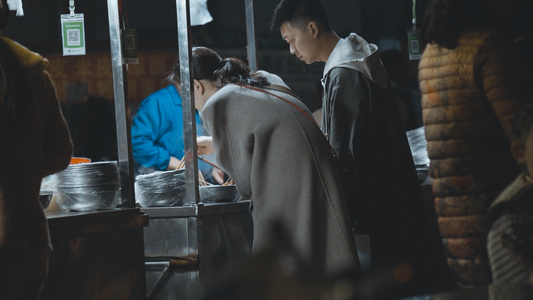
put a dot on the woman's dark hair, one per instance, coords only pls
(299, 12)
(208, 65)
(445, 20)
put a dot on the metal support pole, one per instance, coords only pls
(121, 111)
(250, 35)
(187, 97)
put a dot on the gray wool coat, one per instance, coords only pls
(280, 160)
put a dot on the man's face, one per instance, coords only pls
(302, 43)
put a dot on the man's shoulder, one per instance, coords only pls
(342, 71)
(343, 75)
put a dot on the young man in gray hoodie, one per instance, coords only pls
(362, 123)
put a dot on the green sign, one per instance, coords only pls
(415, 44)
(73, 34)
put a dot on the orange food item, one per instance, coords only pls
(79, 160)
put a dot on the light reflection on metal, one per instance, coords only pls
(250, 35)
(125, 161)
(187, 97)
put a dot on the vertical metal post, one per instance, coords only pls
(121, 112)
(250, 35)
(187, 97)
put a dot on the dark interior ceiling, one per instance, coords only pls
(155, 22)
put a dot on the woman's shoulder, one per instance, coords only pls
(229, 92)
(228, 89)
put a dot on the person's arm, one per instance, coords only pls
(173, 163)
(145, 134)
(218, 175)
(57, 145)
(208, 171)
(205, 145)
(346, 103)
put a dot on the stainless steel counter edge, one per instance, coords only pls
(93, 215)
(67, 224)
(200, 209)
(59, 219)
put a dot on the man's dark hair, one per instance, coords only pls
(300, 12)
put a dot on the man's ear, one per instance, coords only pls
(313, 28)
(517, 149)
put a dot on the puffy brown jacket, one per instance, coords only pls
(469, 96)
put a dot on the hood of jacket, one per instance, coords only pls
(356, 53)
(31, 61)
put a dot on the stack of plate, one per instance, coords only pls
(161, 188)
(89, 186)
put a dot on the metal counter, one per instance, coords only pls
(207, 238)
(96, 255)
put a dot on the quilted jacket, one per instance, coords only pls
(469, 96)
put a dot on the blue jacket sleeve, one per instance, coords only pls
(146, 133)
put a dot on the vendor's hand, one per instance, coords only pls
(204, 145)
(218, 175)
(173, 163)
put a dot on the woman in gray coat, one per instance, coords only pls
(266, 141)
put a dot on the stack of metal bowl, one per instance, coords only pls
(161, 188)
(89, 186)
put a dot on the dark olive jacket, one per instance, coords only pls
(362, 122)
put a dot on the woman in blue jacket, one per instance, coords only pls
(157, 133)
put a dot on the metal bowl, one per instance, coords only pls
(88, 199)
(89, 186)
(161, 188)
(170, 197)
(218, 193)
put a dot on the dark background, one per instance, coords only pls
(383, 22)
(155, 21)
